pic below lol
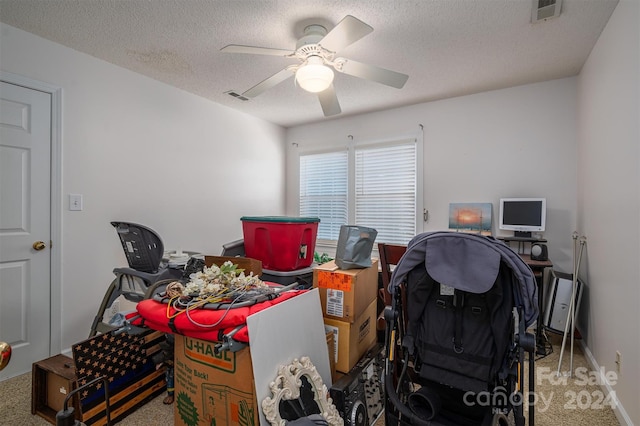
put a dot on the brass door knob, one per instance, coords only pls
(5, 354)
(39, 245)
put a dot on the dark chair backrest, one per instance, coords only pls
(233, 248)
(390, 255)
(142, 246)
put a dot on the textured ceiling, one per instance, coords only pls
(447, 47)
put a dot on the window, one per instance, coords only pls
(323, 191)
(368, 185)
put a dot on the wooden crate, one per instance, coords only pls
(52, 380)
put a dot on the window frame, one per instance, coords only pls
(329, 246)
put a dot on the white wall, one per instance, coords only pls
(609, 199)
(506, 143)
(141, 151)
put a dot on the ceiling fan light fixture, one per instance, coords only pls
(314, 76)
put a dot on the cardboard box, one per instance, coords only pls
(353, 340)
(213, 388)
(331, 348)
(345, 293)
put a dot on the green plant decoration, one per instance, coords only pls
(321, 258)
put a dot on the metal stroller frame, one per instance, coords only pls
(416, 392)
(146, 272)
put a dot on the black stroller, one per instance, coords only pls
(456, 333)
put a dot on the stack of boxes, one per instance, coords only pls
(349, 306)
(218, 387)
(285, 245)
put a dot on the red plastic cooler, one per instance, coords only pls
(281, 243)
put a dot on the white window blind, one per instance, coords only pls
(385, 191)
(369, 185)
(323, 191)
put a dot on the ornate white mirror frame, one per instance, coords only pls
(287, 386)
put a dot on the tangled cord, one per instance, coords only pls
(227, 300)
(216, 288)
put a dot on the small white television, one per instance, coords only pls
(523, 215)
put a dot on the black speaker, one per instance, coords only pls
(539, 251)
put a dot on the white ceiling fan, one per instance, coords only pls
(316, 51)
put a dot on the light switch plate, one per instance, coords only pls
(75, 202)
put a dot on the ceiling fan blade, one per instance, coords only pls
(346, 32)
(329, 102)
(371, 72)
(237, 48)
(268, 83)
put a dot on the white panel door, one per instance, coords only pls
(25, 278)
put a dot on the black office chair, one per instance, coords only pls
(146, 272)
(234, 248)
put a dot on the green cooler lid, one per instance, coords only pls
(280, 219)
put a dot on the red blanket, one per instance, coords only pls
(205, 324)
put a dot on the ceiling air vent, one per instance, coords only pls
(237, 95)
(545, 9)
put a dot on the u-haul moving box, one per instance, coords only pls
(345, 293)
(213, 388)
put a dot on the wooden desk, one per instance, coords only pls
(522, 243)
(538, 266)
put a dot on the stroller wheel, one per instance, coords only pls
(499, 419)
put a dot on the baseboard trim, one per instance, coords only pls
(619, 410)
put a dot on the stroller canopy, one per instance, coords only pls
(468, 262)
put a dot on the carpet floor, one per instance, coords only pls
(562, 400)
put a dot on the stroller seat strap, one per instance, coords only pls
(458, 303)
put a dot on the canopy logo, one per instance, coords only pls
(203, 352)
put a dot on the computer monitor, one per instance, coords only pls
(523, 215)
